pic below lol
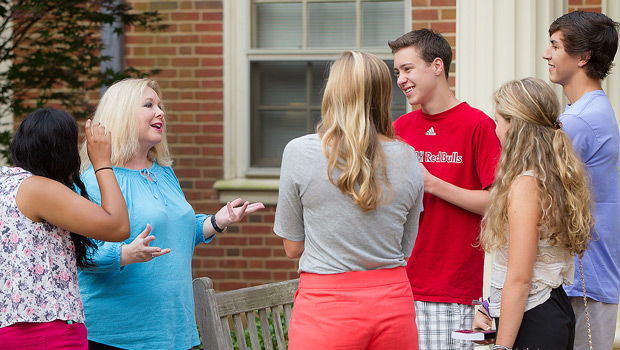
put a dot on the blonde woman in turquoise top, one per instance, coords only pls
(140, 294)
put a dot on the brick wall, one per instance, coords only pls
(585, 5)
(189, 55)
(438, 15)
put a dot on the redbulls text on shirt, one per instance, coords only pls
(440, 157)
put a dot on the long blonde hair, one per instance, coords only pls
(355, 110)
(535, 141)
(117, 110)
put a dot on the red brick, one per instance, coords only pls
(208, 50)
(213, 151)
(209, 27)
(210, 62)
(162, 51)
(425, 15)
(443, 3)
(185, 62)
(185, 16)
(420, 25)
(223, 286)
(448, 14)
(205, 250)
(234, 263)
(184, 39)
(256, 252)
(209, 5)
(186, 28)
(257, 229)
(138, 39)
(257, 275)
(257, 264)
(280, 264)
(183, 106)
(212, 16)
(256, 241)
(273, 241)
(209, 72)
(209, 139)
(225, 239)
(444, 27)
(209, 95)
(134, 62)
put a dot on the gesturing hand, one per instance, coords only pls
(140, 250)
(231, 212)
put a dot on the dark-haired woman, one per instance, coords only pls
(42, 220)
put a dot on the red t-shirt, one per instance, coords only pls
(458, 146)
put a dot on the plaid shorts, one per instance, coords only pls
(436, 321)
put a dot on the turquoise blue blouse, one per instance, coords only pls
(145, 305)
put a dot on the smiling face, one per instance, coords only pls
(416, 78)
(150, 119)
(562, 65)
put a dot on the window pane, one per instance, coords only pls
(276, 129)
(279, 25)
(382, 21)
(285, 105)
(331, 25)
(319, 78)
(281, 83)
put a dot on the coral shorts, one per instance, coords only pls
(354, 310)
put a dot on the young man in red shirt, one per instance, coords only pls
(458, 149)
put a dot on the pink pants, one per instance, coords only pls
(354, 310)
(44, 336)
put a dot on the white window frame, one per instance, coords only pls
(255, 184)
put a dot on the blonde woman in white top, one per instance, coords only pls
(538, 220)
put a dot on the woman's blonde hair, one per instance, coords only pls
(355, 110)
(117, 111)
(535, 141)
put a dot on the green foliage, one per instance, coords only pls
(233, 334)
(260, 334)
(50, 52)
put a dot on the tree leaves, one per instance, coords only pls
(50, 53)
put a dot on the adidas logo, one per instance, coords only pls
(430, 132)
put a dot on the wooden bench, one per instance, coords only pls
(216, 311)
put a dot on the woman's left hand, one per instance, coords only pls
(235, 211)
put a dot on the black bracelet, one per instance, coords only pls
(214, 224)
(105, 167)
(485, 314)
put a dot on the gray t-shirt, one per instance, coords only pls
(338, 236)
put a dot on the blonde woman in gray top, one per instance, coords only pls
(538, 220)
(349, 205)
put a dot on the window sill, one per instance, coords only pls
(253, 190)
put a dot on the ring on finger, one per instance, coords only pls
(152, 255)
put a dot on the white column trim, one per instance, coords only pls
(236, 130)
(497, 41)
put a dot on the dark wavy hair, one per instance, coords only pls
(589, 33)
(46, 144)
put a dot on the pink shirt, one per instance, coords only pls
(38, 274)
